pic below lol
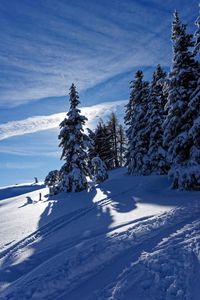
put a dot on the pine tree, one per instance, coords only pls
(191, 175)
(52, 181)
(113, 127)
(99, 170)
(156, 161)
(92, 149)
(103, 144)
(122, 140)
(135, 85)
(182, 84)
(74, 143)
(138, 140)
(197, 36)
(135, 91)
(129, 107)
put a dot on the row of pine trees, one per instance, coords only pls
(162, 120)
(163, 116)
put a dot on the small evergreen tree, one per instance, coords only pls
(156, 162)
(99, 170)
(52, 181)
(74, 143)
(182, 84)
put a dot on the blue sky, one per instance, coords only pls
(48, 44)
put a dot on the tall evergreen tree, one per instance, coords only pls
(103, 144)
(122, 140)
(92, 149)
(129, 107)
(156, 162)
(74, 143)
(138, 141)
(113, 127)
(191, 176)
(177, 124)
(197, 36)
(135, 93)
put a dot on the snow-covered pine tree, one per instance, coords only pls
(178, 123)
(129, 109)
(191, 174)
(122, 140)
(113, 127)
(197, 36)
(99, 170)
(136, 132)
(74, 143)
(156, 161)
(92, 149)
(52, 181)
(135, 85)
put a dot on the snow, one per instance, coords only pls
(129, 237)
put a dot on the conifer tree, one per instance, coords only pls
(52, 181)
(156, 161)
(92, 149)
(103, 144)
(99, 169)
(191, 175)
(135, 91)
(122, 140)
(182, 84)
(197, 36)
(138, 141)
(113, 127)
(74, 143)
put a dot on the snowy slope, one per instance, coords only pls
(127, 238)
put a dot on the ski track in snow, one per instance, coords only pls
(54, 226)
(165, 273)
(90, 257)
(149, 258)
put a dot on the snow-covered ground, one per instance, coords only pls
(127, 238)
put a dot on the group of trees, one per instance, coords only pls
(86, 154)
(163, 116)
(162, 121)
(109, 142)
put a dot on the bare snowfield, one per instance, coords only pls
(131, 237)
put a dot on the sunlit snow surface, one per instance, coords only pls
(127, 238)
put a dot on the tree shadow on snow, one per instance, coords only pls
(72, 219)
(68, 220)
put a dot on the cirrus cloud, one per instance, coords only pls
(40, 123)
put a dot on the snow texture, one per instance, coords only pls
(130, 237)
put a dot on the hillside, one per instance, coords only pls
(127, 238)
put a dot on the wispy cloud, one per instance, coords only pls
(47, 45)
(21, 165)
(29, 151)
(40, 123)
